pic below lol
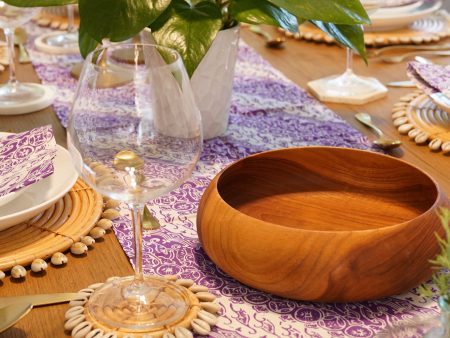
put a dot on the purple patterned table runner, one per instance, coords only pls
(268, 112)
(26, 158)
(430, 78)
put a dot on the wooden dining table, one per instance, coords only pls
(301, 62)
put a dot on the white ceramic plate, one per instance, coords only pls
(383, 20)
(441, 100)
(11, 196)
(383, 11)
(42, 194)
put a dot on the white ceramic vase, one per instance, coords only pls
(212, 82)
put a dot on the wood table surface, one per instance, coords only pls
(299, 61)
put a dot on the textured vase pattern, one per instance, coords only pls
(212, 82)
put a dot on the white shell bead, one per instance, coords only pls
(435, 144)
(210, 307)
(110, 335)
(97, 232)
(39, 265)
(111, 214)
(198, 288)
(399, 121)
(111, 279)
(405, 128)
(446, 147)
(81, 330)
(111, 204)
(398, 114)
(74, 321)
(97, 333)
(182, 332)
(172, 278)
(105, 223)
(129, 335)
(18, 271)
(421, 138)
(88, 240)
(168, 335)
(185, 282)
(201, 327)
(95, 286)
(58, 258)
(74, 311)
(2, 275)
(413, 133)
(205, 296)
(78, 248)
(207, 317)
(79, 301)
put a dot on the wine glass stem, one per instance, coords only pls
(70, 19)
(349, 65)
(136, 215)
(9, 36)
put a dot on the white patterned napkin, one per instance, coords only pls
(26, 158)
(430, 78)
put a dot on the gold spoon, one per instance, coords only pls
(270, 42)
(11, 314)
(383, 142)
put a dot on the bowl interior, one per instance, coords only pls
(327, 189)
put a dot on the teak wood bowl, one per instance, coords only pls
(322, 223)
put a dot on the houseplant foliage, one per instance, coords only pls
(191, 26)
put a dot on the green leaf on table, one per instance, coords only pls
(349, 35)
(262, 12)
(39, 3)
(188, 29)
(118, 20)
(346, 12)
(149, 222)
(85, 42)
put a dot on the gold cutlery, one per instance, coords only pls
(11, 314)
(378, 52)
(402, 57)
(270, 41)
(37, 300)
(20, 38)
(401, 84)
(383, 141)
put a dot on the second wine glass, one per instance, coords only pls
(133, 142)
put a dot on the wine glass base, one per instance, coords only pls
(150, 306)
(24, 98)
(347, 88)
(57, 43)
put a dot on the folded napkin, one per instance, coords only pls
(430, 78)
(26, 158)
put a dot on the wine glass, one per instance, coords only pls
(14, 93)
(68, 39)
(349, 87)
(134, 141)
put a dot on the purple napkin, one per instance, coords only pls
(430, 78)
(26, 158)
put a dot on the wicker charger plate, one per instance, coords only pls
(54, 230)
(430, 29)
(418, 116)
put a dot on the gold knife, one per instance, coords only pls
(37, 300)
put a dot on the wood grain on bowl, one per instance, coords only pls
(322, 223)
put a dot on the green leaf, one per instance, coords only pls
(188, 29)
(118, 20)
(346, 12)
(39, 3)
(349, 35)
(149, 222)
(262, 12)
(85, 42)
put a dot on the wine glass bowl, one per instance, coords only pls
(133, 141)
(11, 16)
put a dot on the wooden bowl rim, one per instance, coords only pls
(439, 196)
